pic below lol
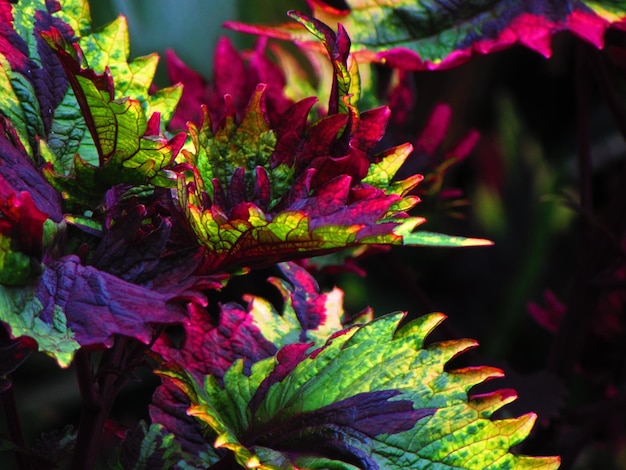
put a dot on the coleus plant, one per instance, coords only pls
(118, 218)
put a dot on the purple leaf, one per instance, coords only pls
(337, 431)
(140, 245)
(97, 305)
(210, 347)
(169, 409)
(18, 174)
(49, 80)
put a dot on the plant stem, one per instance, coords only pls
(98, 394)
(92, 416)
(15, 428)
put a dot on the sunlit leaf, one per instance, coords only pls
(434, 35)
(372, 397)
(252, 334)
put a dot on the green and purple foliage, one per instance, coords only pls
(125, 208)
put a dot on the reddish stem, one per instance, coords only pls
(98, 393)
(15, 428)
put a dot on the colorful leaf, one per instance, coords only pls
(129, 147)
(258, 331)
(56, 301)
(109, 48)
(251, 334)
(30, 212)
(148, 448)
(258, 191)
(307, 315)
(390, 405)
(420, 35)
(74, 305)
(345, 74)
(32, 79)
(91, 119)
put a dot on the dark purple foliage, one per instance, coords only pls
(169, 409)
(99, 305)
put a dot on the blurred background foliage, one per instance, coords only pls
(520, 188)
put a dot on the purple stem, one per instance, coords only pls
(98, 393)
(15, 428)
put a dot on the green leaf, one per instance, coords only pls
(110, 48)
(16, 267)
(21, 309)
(19, 104)
(404, 410)
(149, 448)
(423, 238)
(130, 148)
(248, 144)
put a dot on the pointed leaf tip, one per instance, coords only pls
(369, 411)
(423, 238)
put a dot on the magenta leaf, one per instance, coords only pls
(418, 35)
(250, 334)
(235, 75)
(257, 191)
(210, 347)
(250, 205)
